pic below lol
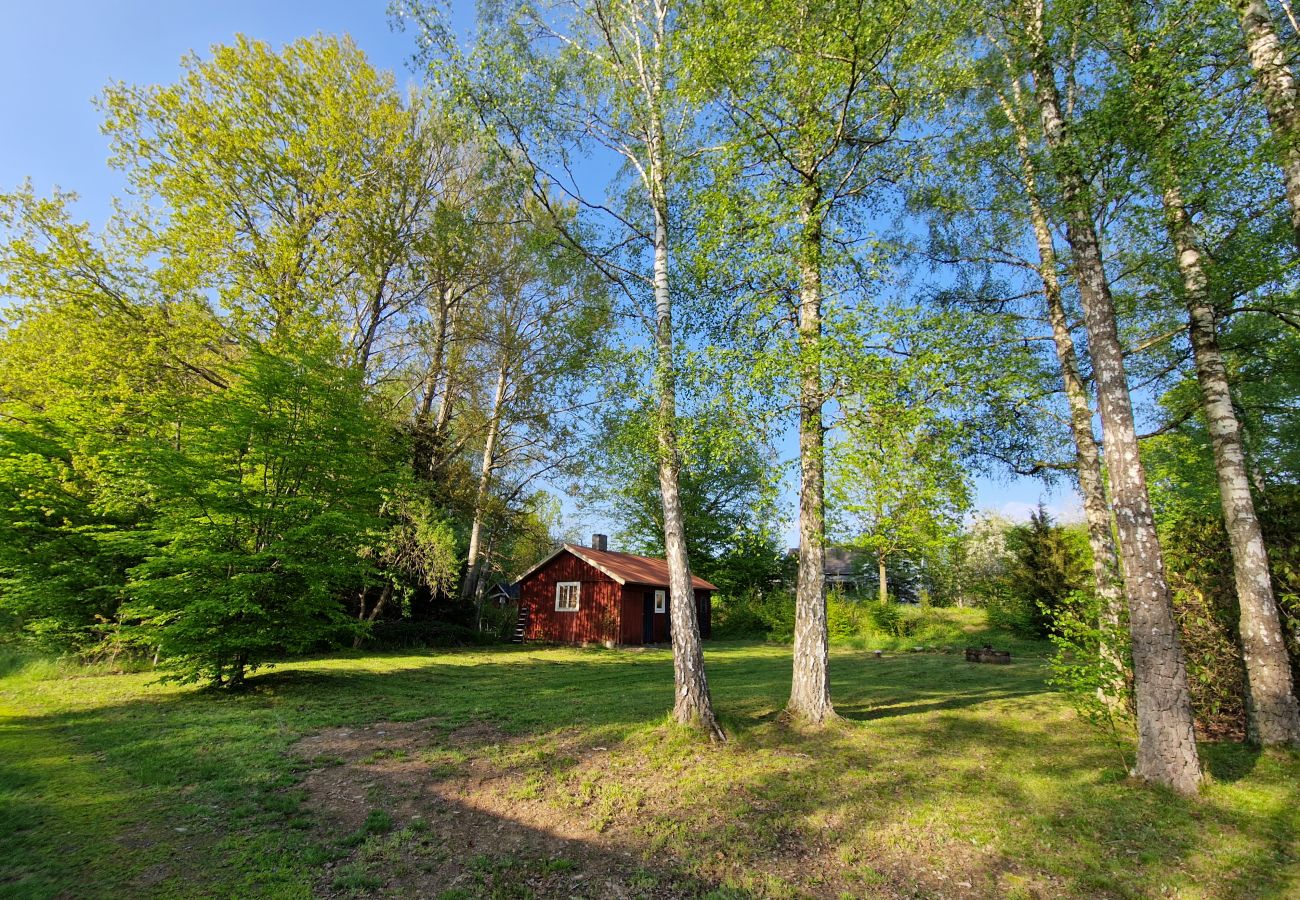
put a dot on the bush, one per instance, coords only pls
(865, 623)
(1049, 563)
(737, 617)
(844, 617)
(404, 634)
(1205, 603)
(767, 615)
(888, 618)
(1011, 610)
(1097, 684)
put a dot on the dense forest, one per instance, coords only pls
(325, 374)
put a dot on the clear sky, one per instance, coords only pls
(56, 57)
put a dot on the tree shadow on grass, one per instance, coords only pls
(974, 774)
(1229, 762)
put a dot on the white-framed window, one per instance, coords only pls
(566, 596)
(661, 601)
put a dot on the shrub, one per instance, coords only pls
(1013, 611)
(1049, 563)
(1097, 684)
(738, 617)
(844, 616)
(887, 618)
(403, 634)
(1205, 603)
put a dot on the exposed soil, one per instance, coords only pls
(461, 827)
(474, 812)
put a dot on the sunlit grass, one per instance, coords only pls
(942, 774)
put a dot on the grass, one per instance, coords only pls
(944, 779)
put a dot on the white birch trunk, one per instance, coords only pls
(810, 693)
(1277, 85)
(693, 705)
(469, 586)
(1087, 454)
(1273, 714)
(1166, 751)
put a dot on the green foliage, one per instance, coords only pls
(266, 167)
(1048, 564)
(899, 488)
(95, 361)
(216, 436)
(420, 545)
(887, 618)
(262, 505)
(755, 614)
(1092, 667)
(1204, 592)
(859, 622)
(727, 488)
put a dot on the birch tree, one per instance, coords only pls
(811, 99)
(543, 326)
(1087, 452)
(571, 84)
(1166, 741)
(1156, 85)
(1276, 80)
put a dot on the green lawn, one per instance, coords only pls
(521, 772)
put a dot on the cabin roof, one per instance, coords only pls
(625, 568)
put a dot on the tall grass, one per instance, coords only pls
(863, 623)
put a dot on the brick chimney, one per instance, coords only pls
(599, 542)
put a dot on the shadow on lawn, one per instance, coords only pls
(889, 798)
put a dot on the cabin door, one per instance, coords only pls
(648, 618)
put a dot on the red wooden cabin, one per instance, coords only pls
(583, 595)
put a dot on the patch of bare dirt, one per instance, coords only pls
(480, 813)
(455, 819)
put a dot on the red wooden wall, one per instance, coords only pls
(597, 618)
(606, 609)
(633, 631)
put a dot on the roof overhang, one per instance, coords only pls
(578, 552)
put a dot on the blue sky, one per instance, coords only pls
(55, 58)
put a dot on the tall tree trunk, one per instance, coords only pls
(884, 578)
(447, 401)
(1277, 84)
(693, 705)
(810, 692)
(369, 616)
(375, 315)
(1087, 454)
(473, 563)
(1273, 714)
(436, 358)
(1166, 739)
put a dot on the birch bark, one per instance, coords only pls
(810, 694)
(692, 705)
(1167, 751)
(1087, 453)
(1277, 85)
(473, 565)
(1272, 711)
